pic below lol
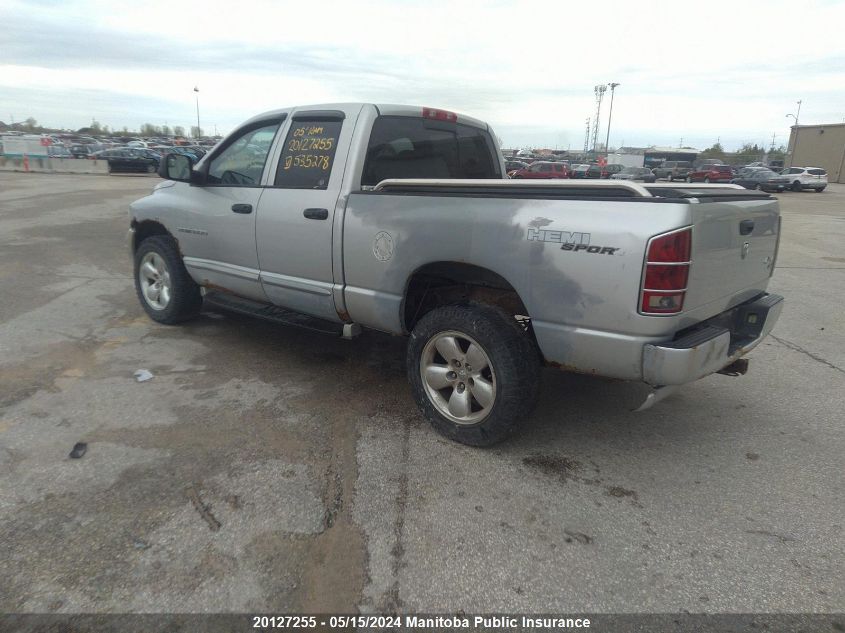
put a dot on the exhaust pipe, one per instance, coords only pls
(737, 368)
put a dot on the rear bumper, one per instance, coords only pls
(712, 345)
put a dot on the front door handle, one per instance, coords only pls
(316, 214)
(746, 226)
(242, 208)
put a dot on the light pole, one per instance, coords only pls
(197, 90)
(795, 144)
(609, 118)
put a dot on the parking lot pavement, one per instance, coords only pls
(266, 468)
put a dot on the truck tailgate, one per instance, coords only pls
(734, 244)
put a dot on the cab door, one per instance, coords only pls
(216, 230)
(296, 214)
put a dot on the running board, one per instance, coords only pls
(232, 303)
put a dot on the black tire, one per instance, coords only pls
(514, 361)
(796, 186)
(707, 179)
(759, 187)
(689, 178)
(185, 298)
(818, 189)
(151, 169)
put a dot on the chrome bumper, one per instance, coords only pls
(713, 346)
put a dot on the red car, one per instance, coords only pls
(711, 173)
(543, 169)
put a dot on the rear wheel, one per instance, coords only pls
(819, 189)
(474, 372)
(689, 178)
(759, 187)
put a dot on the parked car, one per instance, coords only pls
(585, 171)
(762, 180)
(799, 178)
(415, 232)
(673, 170)
(711, 173)
(609, 170)
(749, 169)
(543, 169)
(512, 166)
(58, 151)
(128, 159)
(84, 150)
(635, 173)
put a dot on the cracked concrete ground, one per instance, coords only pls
(331, 494)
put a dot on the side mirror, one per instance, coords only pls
(176, 167)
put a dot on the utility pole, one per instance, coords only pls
(774, 135)
(609, 117)
(599, 91)
(795, 144)
(199, 129)
(587, 137)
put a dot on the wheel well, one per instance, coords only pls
(444, 283)
(146, 229)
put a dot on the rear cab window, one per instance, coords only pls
(414, 147)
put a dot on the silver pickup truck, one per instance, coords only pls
(401, 219)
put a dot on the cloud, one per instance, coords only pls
(530, 73)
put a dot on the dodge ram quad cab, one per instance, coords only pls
(401, 219)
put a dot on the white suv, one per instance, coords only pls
(799, 178)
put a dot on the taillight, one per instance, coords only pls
(666, 272)
(439, 115)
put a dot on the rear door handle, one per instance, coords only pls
(242, 208)
(316, 214)
(746, 226)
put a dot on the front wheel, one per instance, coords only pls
(689, 178)
(707, 180)
(796, 186)
(165, 289)
(474, 372)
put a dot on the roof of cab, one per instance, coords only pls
(385, 109)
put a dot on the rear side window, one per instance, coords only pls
(409, 147)
(308, 154)
(817, 172)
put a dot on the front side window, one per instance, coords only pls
(411, 147)
(242, 162)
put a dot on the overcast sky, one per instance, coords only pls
(695, 71)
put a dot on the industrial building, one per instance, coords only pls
(819, 146)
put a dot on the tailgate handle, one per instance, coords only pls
(746, 226)
(316, 214)
(242, 208)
